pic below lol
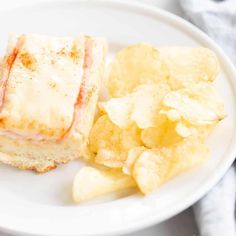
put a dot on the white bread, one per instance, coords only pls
(39, 102)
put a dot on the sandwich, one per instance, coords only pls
(48, 93)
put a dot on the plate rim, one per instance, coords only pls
(202, 38)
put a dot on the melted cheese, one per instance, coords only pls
(43, 86)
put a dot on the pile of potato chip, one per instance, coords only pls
(162, 107)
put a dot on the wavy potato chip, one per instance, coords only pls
(164, 134)
(111, 143)
(153, 167)
(186, 130)
(133, 154)
(183, 130)
(90, 182)
(199, 104)
(168, 133)
(149, 170)
(185, 155)
(141, 106)
(133, 66)
(189, 66)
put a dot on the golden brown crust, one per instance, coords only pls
(39, 171)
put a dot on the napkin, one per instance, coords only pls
(215, 213)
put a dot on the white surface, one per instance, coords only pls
(26, 191)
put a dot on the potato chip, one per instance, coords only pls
(189, 66)
(133, 154)
(90, 182)
(149, 170)
(185, 155)
(118, 110)
(111, 143)
(185, 130)
(133, 66)
(199, 104)
(142, 106)
(164, 134)
(204, 131)
(153, 167)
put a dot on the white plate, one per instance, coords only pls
(41, 204)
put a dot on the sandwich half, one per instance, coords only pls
(48, 93)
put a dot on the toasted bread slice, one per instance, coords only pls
(49, 90)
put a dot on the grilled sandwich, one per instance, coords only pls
(48, 93)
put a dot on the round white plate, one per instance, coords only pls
(41, 204)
